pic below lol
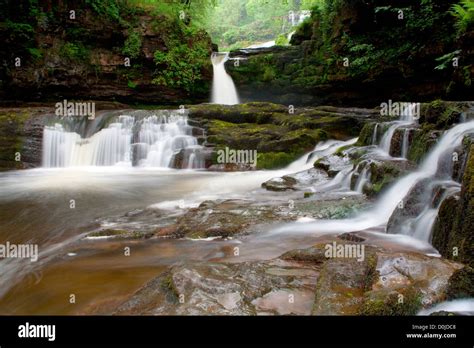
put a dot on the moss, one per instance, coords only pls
(372, 274)
(381, 175)
(274, 160)
(422, 142)
(381, 303)
(11, 137)
(340, 151)
(168, 285)
(461, 284)
(107, 233)
(365, 136)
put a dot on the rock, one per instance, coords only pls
(279, 136)
(461, 284)
(86, 58)
(384, 172)
(342, 283)
(406, 283)
(280, 184)
(332, 164)
(227, 289)
(452, 231)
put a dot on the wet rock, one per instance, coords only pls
(385, 172)
(351, 237)
(452, 231)
(223, 219)
(200, 288)
(332, 164)
(461, 284)
(342, 283)
(280, 184)
(120, 234)
(298, 181)
(406, 282)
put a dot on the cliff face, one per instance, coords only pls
(93, 54)
(362, 53)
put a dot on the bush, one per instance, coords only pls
(132, 45)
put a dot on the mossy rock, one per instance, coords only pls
(452, 232)
(461, 284)
(275, 160)
(365, 135)
(390, 304)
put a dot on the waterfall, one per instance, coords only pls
(407, 118)
(223, 88)
(363, 178)
(375, 135)
(148, 141)
(107, 147)
(388, 202)
(405, 142)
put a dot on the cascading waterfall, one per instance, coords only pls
(389, 201)
(109, 146)
(405, 142)
(375, 134)
(223, 88)
(363, 178)
(150, 141)
(407, 118)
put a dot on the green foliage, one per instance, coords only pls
(273, 160)
(35, 53)
(133, 44)
(236, 23)
(74, 51)
(281, 40)
(464, 13)
(186, 56)
(446, 60)
(108, 8)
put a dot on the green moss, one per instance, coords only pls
(11, 138)
(168, 285)
(388, 304)
(365, 136)
(372, 274)
(461, 284)
(422, 142)
(274, 160)
(107, 233)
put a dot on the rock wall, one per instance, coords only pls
(84, 57)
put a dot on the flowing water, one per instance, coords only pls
(223, 88)
(95, 169)
(139, 139)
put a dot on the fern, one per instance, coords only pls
(464, 12)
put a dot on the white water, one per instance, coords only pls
(384, 207)
(407, 118)
(375, 134)
(108, 147)
(405, 142)
(363, 178)
(159, 138)
(223, 88)
(462, 306)
(265, 44)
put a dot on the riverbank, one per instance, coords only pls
(141, 240)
